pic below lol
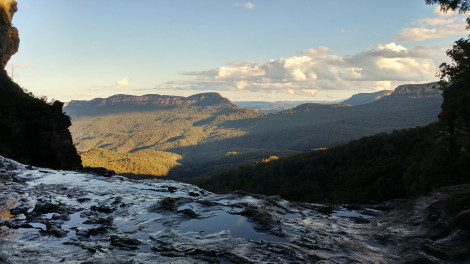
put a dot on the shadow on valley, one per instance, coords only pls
(289, 132)
(402, 164)
(200, 142)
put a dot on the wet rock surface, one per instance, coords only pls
(76, 217)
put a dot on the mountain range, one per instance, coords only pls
(211, 133)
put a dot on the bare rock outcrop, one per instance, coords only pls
(9, 38)
(31, 130)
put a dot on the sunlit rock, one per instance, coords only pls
(9, 38)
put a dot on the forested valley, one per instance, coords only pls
(207, 134)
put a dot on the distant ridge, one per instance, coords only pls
(210, 133)
(365, 98)
(400, 95)
(151, 99)
(123, 102)
(418, 91)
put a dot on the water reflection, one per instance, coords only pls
(238, 226)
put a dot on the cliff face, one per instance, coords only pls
(418, 91)
(9, 39)
(31, 130)
(156, 99)
(34, 132)
(121, 102)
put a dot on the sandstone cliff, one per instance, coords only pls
(418, 91)
(121, 102)
(31, 130)
(9, 39)
(155, 99)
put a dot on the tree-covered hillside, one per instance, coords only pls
(205, 131)
(380, 167)
(142, 162)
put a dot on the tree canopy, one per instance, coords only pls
(455, 77)
(462, 6)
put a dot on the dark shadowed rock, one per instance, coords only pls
(31, 130)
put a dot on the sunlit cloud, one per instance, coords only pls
(383, 85)
(319, 69)
(247, 5)
(316, 72)
(123, 83)
(440, 26)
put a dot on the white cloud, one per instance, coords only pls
(247, 5)
(440, 26)
(123, 83)
(318, 70)
(383, 85)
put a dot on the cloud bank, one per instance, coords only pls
(319, 69)
(440, 26)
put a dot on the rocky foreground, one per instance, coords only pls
(50, 216)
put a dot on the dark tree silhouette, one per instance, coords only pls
(455, 84)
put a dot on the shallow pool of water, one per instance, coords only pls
(237, 225)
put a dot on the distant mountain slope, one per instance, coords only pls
(270, 107)
(365, 98)
(310, 107)
(279, 106)
(204, 130)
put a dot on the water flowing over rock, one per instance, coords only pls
(74, 217)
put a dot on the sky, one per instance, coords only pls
(257, 50)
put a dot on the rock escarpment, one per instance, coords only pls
(9, 39)
(418, 91)
(31, 130)
(122, 102)
(149, 99)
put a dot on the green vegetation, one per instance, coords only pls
(161, 128)
(142, 162)
(402, 164)
(204, 134)
(371, 168)
(380, 167)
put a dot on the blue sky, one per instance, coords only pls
(246, 50)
